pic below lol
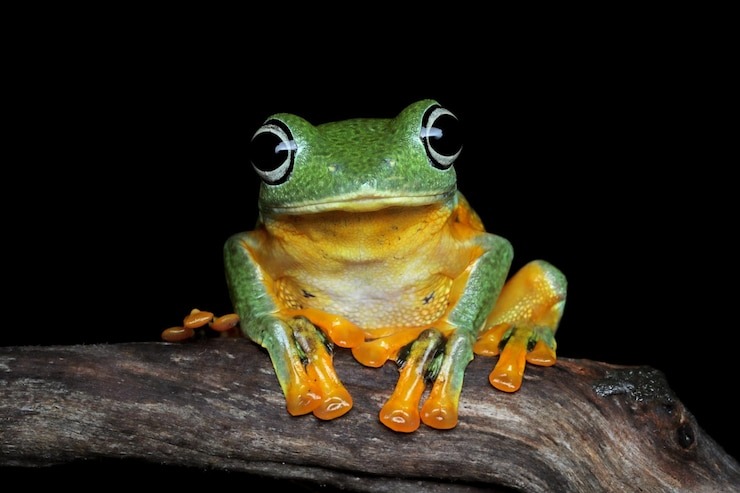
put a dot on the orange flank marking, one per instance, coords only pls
(376, 352)
(341, 331)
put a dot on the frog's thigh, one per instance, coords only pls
(523, 323)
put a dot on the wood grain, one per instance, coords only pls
(580, 426)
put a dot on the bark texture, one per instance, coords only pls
(580, 426)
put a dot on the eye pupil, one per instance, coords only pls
(441, 137)
(266, 151)
(272, 152)
(446, 140)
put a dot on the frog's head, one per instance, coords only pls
(357, 165)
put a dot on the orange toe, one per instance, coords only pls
(372, 353)
(177, 334)
(401, 412)
(335, 405)
(401, 417)
(225, 322)
(341, 331)
(438, 414)
(542, 355)
(301, 399)
(197, 319)
(509, 370)
(489, 341)
(335, 400)
(376, 352)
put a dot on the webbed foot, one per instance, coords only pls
(523, 323)
(435, 358)
(401, 411)
(301, 355)
(316, 353)
(302, 358)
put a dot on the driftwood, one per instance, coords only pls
(580, 426)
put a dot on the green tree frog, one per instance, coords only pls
(364, 242)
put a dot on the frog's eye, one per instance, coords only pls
(440, 134)
(273, 152)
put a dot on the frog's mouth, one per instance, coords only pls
(363, 203)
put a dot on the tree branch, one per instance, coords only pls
(578, 426)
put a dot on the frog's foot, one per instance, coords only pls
(302, 358)
(521, 345)
(317, 352)
(401, 411)
(197, 319)
(431, 357)
(523, 323)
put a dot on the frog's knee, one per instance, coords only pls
(545, 277)
(534, 296)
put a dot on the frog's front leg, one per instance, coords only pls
(300, 353)
(522, 325)
(442, 354)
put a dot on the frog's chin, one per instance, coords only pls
(367, 203)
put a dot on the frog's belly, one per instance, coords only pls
(371, 301)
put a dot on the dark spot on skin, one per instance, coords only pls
(685, 435)
(428, 298)
(306, 294)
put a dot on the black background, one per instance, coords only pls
(603, 160)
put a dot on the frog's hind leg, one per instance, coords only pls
(521, 327)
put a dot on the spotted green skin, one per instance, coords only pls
(346, 159)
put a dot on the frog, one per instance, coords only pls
(364, 242)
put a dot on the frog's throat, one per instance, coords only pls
(362, 203)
